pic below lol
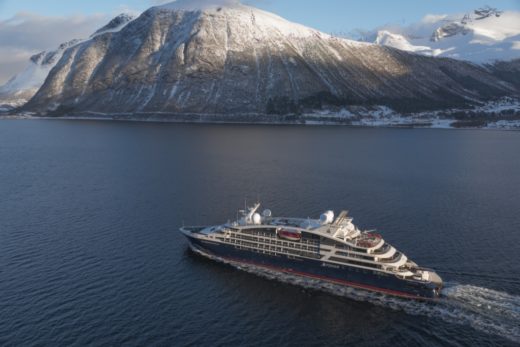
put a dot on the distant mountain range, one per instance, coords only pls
(189, 59)
(483, 36)
(21, 87)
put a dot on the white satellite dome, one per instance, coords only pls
(327, 217)
(267, 213)
(257, 219)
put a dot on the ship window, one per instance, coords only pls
(326, 241)
(341, 260)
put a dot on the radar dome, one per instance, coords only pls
(327, 217)
(257, 219)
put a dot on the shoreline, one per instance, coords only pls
(303, 120)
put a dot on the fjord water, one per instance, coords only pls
(90, 253)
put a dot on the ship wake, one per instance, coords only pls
(486, 310)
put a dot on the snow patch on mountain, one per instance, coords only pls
(484, 36)
(387, 38)
(256, 18)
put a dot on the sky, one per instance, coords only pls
(30, 26)
(325, 15)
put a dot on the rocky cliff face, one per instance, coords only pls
(238, 60)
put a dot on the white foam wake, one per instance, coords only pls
(484, 309)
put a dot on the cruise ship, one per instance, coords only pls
(327, 249)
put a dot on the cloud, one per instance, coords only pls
(159, 2)
(27, 33)
(433, 18)
(197, 4)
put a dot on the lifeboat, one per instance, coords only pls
(289, 235)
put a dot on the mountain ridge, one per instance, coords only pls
(484, 36)
(240, 60)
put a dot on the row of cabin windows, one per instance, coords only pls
(328, 242)
(279, 247)
(263, 232)
(302, 244)
(271, 248)
(346, 254)
(353, 262)
(298, 245)
(272, 233)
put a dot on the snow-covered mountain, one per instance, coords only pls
(483, 36)
(24, 85)
(189, 57)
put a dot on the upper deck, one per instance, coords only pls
(340, 230)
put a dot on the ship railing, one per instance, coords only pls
(386, 247)
(368, 240)
(393, 259)
(285, 221)
(194, 229)
(420, 268)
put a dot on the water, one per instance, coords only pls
(90, 253)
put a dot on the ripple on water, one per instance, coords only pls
(90, 253)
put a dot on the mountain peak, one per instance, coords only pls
(115, 24)
(200, 5)
(487, 11)
(247, 19)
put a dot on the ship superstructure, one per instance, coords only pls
(328, 248)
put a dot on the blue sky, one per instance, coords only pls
(326, 15)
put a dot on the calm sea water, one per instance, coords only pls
(90, 253)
